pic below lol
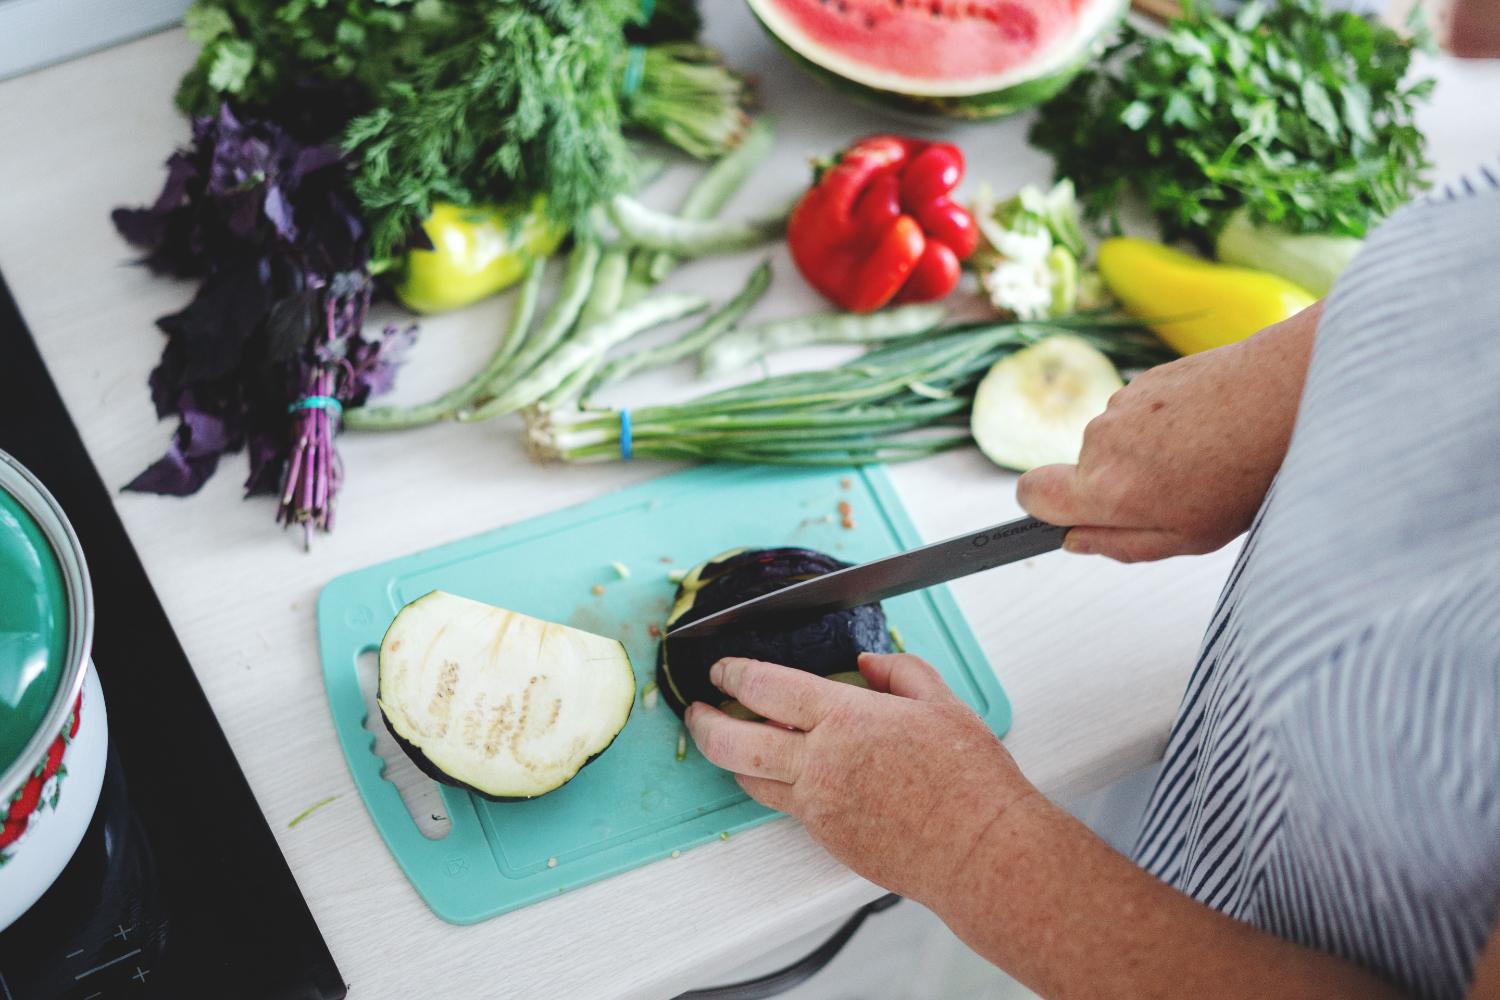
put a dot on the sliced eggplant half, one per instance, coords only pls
(1033, 405)
(827, 645)
(496, 702)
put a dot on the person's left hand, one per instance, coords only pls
(899, 782)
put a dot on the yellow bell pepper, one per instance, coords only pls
(1192, 304)
(476, 251)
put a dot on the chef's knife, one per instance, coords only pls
(889, 577)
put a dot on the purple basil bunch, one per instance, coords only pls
(272, 346)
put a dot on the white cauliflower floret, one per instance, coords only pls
(1022, 244)
(1021, 287)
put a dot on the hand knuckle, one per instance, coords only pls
(1103, 483)
(1121, 398)
(719, 745)
(752, 683)
(733, 673)
(814, 776)
(1096, 430)
(788, 759)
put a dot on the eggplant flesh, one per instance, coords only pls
(496, 702)
(827, 645)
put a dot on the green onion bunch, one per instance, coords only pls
(902, 401)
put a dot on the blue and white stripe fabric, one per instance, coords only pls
(1333, 776)
(1486, 178)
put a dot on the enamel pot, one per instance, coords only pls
(53, 732)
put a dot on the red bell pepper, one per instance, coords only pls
(878, 225)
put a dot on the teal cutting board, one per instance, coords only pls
(637, 803)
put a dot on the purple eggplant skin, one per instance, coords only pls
(822, 645)
(427, 767)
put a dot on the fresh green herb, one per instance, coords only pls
(470, 102)
(273, 343)
(528, 101)
(687, 97)
(273, 57)
(1300, 113)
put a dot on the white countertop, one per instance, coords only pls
(1093, 655)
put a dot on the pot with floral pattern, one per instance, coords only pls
(53, 734)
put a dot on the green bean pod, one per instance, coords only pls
(747, 345)
(390, 418)
(584, 346)
(653, 230)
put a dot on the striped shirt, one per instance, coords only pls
(1486, 178)
(1333, 776)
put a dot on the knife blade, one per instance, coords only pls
(892, 576)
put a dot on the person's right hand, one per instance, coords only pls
(1181, 459)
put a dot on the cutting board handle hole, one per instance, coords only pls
(422, 796)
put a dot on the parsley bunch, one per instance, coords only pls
(470, 100)
(309, 63)
(1302, 114)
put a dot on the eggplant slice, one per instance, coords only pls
(496, 702)
(827, 645)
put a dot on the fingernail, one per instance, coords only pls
(687, 715)
(716, 673)
(1077, 546)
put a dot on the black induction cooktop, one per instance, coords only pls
(178, 889)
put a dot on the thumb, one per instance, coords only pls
(1128, 545)
(1052, 493)
(905, 676)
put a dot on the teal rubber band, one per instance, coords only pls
(627, 446)
(648, 9)
(317, 403)
(635, 70)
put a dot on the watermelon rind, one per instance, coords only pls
(973, 100)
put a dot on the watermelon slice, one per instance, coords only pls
(977, 59)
